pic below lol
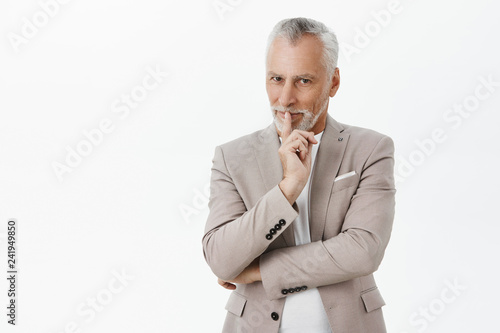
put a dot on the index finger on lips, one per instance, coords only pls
(287, 126)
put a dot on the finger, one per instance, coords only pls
(302, 151)
(308, 157)
(229, 286)
(308, 135)
(294, 136)
(287, 126)
(297, 145)
(226, 285)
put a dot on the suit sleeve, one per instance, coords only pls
(357, 250)
(235, 236)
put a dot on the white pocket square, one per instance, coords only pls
(345, 175)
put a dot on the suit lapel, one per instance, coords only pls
(266, 153)
(327, 164)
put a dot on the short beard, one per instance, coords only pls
(308, 119)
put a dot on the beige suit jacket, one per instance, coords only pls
(350, 217)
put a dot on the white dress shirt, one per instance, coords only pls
(304, 311)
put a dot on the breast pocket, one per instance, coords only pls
(340, 199)
(343, 183)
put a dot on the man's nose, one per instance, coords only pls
(288, 95)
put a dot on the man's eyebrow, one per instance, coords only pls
(271, 73)
(304, 76)
(296, 77)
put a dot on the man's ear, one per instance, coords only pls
(335, 83)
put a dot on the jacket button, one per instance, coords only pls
(282, 222)
(272, 231)
(304, 287)
(297, 289)
(291, 290)
(269, 236)
(275, 316)
(277, 227)
(284, 291)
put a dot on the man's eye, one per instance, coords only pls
(305, 81)
(276, 79)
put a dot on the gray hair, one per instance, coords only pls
(294, 28)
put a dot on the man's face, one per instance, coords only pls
(296, 81)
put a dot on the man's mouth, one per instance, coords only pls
(294, 115)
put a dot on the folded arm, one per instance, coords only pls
(235, 236)
(359, 248)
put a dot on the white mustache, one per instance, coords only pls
(283, 109)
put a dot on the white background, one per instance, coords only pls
(136, 204)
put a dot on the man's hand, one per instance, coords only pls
(249, 275)
(295, 156)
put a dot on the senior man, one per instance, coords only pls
(301, 212)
